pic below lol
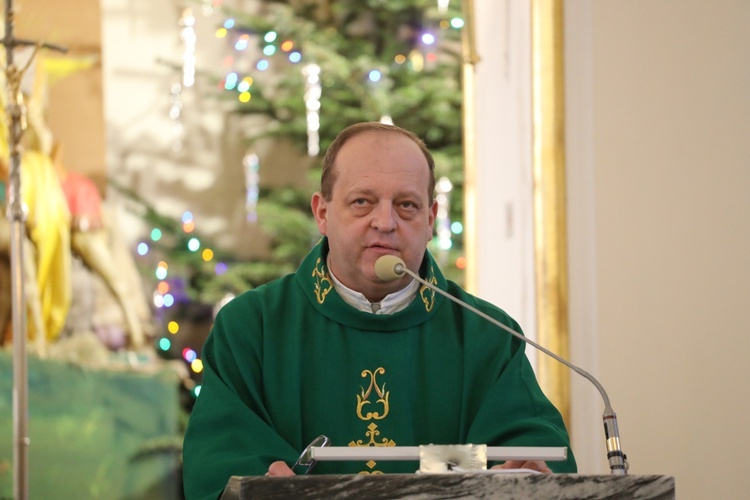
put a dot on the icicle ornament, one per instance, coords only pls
(251, 164)
(313, 91)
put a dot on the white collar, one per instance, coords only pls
(391, 303)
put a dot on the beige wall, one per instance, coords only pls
(659, 172)
(75, 105)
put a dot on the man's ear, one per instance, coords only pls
(431, 219)
(319, 207)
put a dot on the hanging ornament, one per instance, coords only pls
(251, 165)
(311, 72)
(188, 37)
(175, 114)
(443, 221)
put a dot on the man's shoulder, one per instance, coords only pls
(261, 296)
(483, 305)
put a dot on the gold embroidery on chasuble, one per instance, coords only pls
(323, 283)
(372, 404)
(426, 293)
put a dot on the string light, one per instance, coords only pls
(161, 271)
(245, 84)
(197, 365)
(193, 244)
(428, 38)
(142, 249)
(230, 81)
(443, 6)
(270, 37)
(189, 355)
(164, 344)
(168, 300)
(158, 300)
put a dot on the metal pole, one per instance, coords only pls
(17, 217)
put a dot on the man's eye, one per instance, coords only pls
(359, 202)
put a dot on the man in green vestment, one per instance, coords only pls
(332, 349)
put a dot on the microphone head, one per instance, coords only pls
(389, 267)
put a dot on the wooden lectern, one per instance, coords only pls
(484, 485)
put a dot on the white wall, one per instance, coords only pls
(659, 174)
(658, 166)
(504, 187)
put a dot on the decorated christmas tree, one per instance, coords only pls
(304, 70)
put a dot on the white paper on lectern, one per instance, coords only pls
(402, 453)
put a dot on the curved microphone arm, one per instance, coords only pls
(390, 267)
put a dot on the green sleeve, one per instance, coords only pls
(229, 432)
(516, 412)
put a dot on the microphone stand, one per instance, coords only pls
(618, 463)
(16, 215)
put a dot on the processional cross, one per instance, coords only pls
(16, 215)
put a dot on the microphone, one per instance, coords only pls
(390, 267)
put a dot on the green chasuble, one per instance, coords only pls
(290, 360)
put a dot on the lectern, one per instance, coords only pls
(485, 485)
(447, 471)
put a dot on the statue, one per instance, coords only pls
(64, 220)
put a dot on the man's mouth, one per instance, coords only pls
(381, 247)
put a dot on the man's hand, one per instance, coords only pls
(537, 465)
(279, 469)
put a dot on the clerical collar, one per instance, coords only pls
(391, 303)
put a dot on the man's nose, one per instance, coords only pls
(384, 217)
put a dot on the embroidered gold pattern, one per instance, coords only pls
(362, 399)
(323, 283)
(371, 464)
(372, 432)
(428, 294)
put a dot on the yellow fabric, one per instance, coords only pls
(49, 229)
